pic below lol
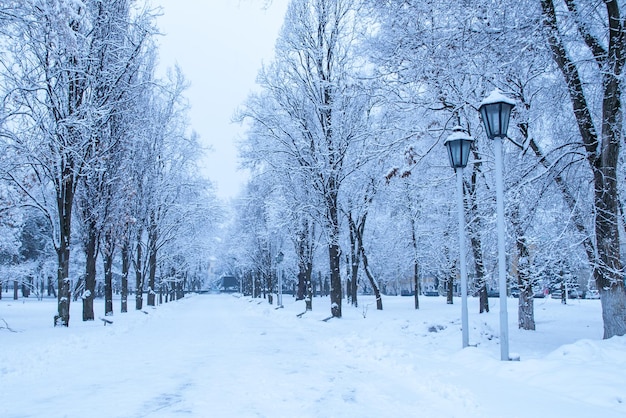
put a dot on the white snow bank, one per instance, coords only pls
(222, 356)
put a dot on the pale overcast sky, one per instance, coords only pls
(220, 46)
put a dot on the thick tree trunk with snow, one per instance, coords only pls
(479, 268)
(63, 281)
(523, 268)
(335, 280)
(334, 252)
(65, 199)
(89, 293)
(609, 274)
(526, 311)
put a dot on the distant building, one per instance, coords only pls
(228, 284)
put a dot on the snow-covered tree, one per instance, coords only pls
(63, 77)
(588, 46)
(310, 114)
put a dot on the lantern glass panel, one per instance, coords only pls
(496, 118)
(465, 149)
(458, 151)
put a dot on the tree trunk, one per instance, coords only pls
(416, 283)
(309, 287)
(416, 279)
(270, 287)
(152, 260)
(609, 273)
(107, 258)
(354, 290)
(449, 281)
(354, 261)
(474, 228)
(27, 285)
(64, 201)
(181, 287)
(152, 263)
(263, 283)
(483, 298)
(15, 291)
(334, 253)
(139, 274)
(373, 282)
(125, 270)
(450, 288)
(63, 299)
(89, 293)
(301, 286)
(479, 268)
(51, 290)
(335, 280)
(526, 311)
(357, 229)
(65, 198)
(301, 249)
(305, 264)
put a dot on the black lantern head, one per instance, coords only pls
(458, 144)
(495, 111)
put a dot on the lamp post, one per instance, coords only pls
(495, 111)
(279, 296)
(458, 144)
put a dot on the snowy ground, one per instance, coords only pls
(223, 356)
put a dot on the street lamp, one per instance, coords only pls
(279, 259)
(458, 144)
(495, 111)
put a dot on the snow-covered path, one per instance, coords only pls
(221, 356)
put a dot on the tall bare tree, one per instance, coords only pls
(309, 117)
(601, 31)
(62, 87)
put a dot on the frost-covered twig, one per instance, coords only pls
(365, 310)
(6, 326)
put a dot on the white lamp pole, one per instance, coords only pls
(279, 259)
(504, 317)
(459, 196)
(495, 110)
(459, 144)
